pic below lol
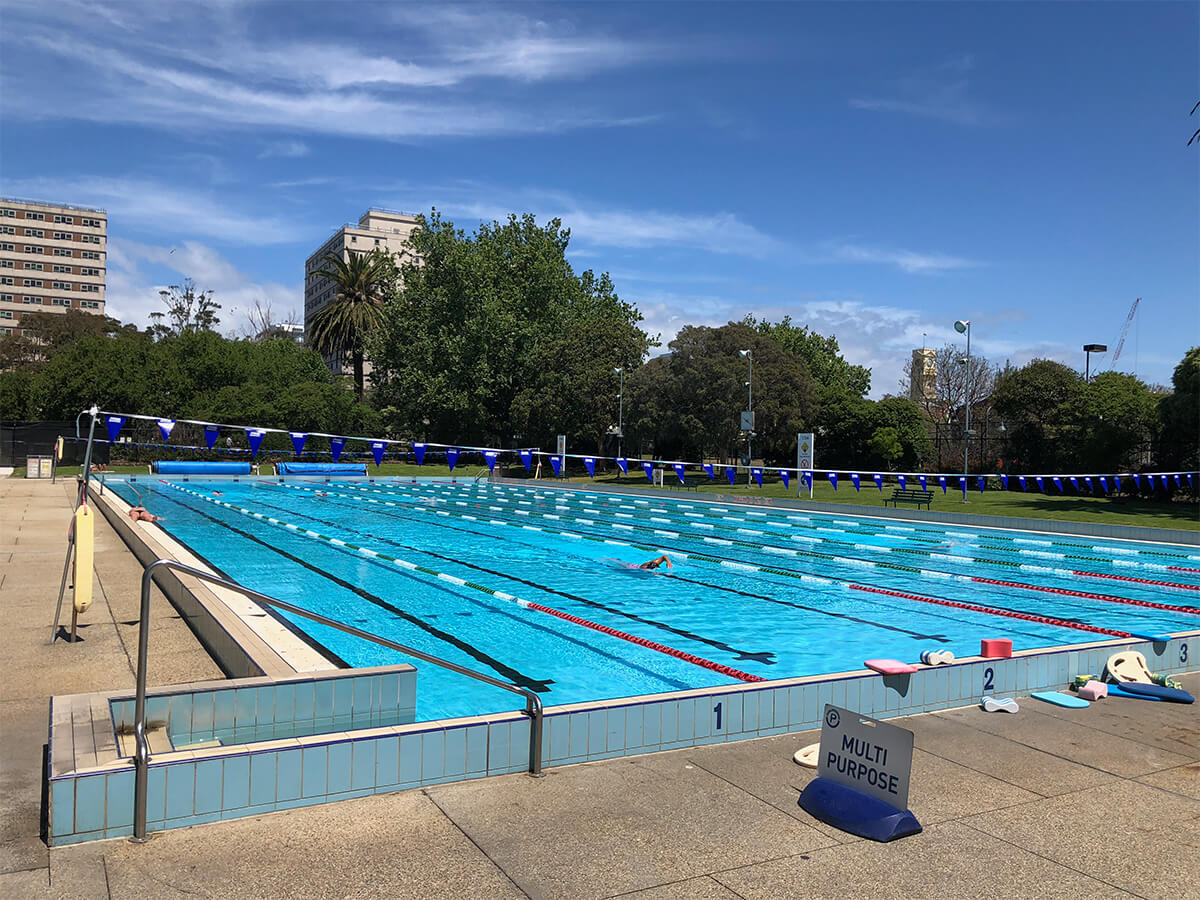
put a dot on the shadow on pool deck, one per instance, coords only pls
(1048, 802)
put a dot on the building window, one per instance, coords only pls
(8, 298)
(34, 232)
(7, 229)
(37, 300)
(61, 301)
(90, 223)
(89, 304)
(90, 288)
(89, 271)
(88, 254)
(32, 282)
(37, 267)
(40, 217)
(31, 249)
(62, 235)
(90, 238)
(8, 213)
(7, 264)
(6, 314)
(66, 269)
(7, 279)
(5, 246)
(62, 286)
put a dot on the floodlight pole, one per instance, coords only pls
(749, 354)
(961, 326)
(620, 370)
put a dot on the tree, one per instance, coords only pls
(951, 384)
(493, 335)
(341, 328)
(1040, 402)
(188, 310)
(829, 369)
(1179, 412)
(1117, 417)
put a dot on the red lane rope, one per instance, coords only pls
(1008, 613)
(661, 648)
(1172, 584)
(1089, 596)
(1182, 569)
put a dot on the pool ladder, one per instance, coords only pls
(141, 757)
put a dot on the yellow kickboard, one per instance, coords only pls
(84, 551)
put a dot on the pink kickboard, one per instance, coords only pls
(1093, 690)
(889, 666)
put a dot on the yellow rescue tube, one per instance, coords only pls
(84, 553)
(58, 448)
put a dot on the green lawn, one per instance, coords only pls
(1103, 510)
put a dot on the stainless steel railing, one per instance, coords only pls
(141, 758)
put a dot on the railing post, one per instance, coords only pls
(141, 756)
(533, 706)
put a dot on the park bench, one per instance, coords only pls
(901, 495)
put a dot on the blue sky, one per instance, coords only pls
(875, 171)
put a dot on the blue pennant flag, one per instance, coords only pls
(902, 481)
(526, 458)
(623, 465)
(1024, 486)
(1004, 481)
(1057, 483)
(648, 468)
(452, 457)
(336, 446)
(1075, 483)
(756, 471)
(1041, 483)
(1178, 483)
(924, 482)
(211, 432)
(783, 476)
(377, 448)
(942, 482)
(419, 453)
(1088, 482)
(298, 439)
(165, 426)
(731, 474)
(878, 479)
(255, 437)
(114, 425)
(854, 477)
(1103, 483)
(979, 480)
(832, 479)
(589, 463)
(1137, 481)
(1166, 486)
(1117, 481)
(678, 467)
(708, 470)
(490, 457)
(1189, 478)
(962, 485)
(807, 476)
(556, 464)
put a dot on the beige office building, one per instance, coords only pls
(380, 229)
(52, 258)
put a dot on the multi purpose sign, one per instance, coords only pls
(866, 754)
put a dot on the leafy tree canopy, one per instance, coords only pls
(1180, 415)
(829, 369)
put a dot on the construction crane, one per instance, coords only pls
(1124, 333)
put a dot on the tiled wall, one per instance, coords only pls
(344, 701)
(207, 785)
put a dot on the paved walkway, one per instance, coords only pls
(1102, 802)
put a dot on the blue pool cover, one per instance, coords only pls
(179, 467)
(300, 468)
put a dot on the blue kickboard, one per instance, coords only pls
(1059, 699)
(855, 812)
(1116, 690)
(1156, 691)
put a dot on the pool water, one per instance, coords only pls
(540, 587)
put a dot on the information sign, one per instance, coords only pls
(866, 754)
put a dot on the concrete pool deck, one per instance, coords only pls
(1049, 802)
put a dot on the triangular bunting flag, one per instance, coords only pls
(924, 482)
(708, 470)
(783, 476)
(1004, 481)
(165, 426)
(526, 458)
(832, 476)
(808, 477)
(962, 485)
(648, 468)
(114, 425)
(490, 457)
(211, 432)
(589, 463)
(1103, 483)
(878, 479)
(979, 479)
(1024, 486)
(298, 439)
(255, 437)
(731, 474)
(756, 471)
(1041, 483)
(419, 453)
(1178, 483)
(942, 482)
(452, 457)
(857, 480)
(1088, 482)
(902, 481)
(623, 465)
(1075, 483)
(336, 446)
(556, 464)
(377, 448)
(678, 467)
(1057, 483)
(1137, 481)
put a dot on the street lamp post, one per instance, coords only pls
(964, 326)
(749, 354)
(1088, 350)
(620, 370)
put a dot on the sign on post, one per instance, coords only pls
(866, 754)
(562, 453)
(806, 458)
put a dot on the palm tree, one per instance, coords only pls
(341, 327)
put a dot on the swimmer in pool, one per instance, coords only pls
(655, 563)
(139, 514)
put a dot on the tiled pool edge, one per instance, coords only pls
(196, 786)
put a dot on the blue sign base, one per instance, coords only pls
(855, 812)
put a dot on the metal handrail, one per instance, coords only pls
(141, 758)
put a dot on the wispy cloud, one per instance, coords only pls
(941, 92)
(162, 206)
(285, 149)
(905, 260)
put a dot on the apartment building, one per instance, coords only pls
(52, 258)
(381, 229)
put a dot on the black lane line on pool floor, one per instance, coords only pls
(681, 685)
(764, 657)
(982, 608)
(825, 612)
(541, 686)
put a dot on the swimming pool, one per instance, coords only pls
(535, 586)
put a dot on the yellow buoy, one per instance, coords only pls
(84, 552)
(58, 448)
